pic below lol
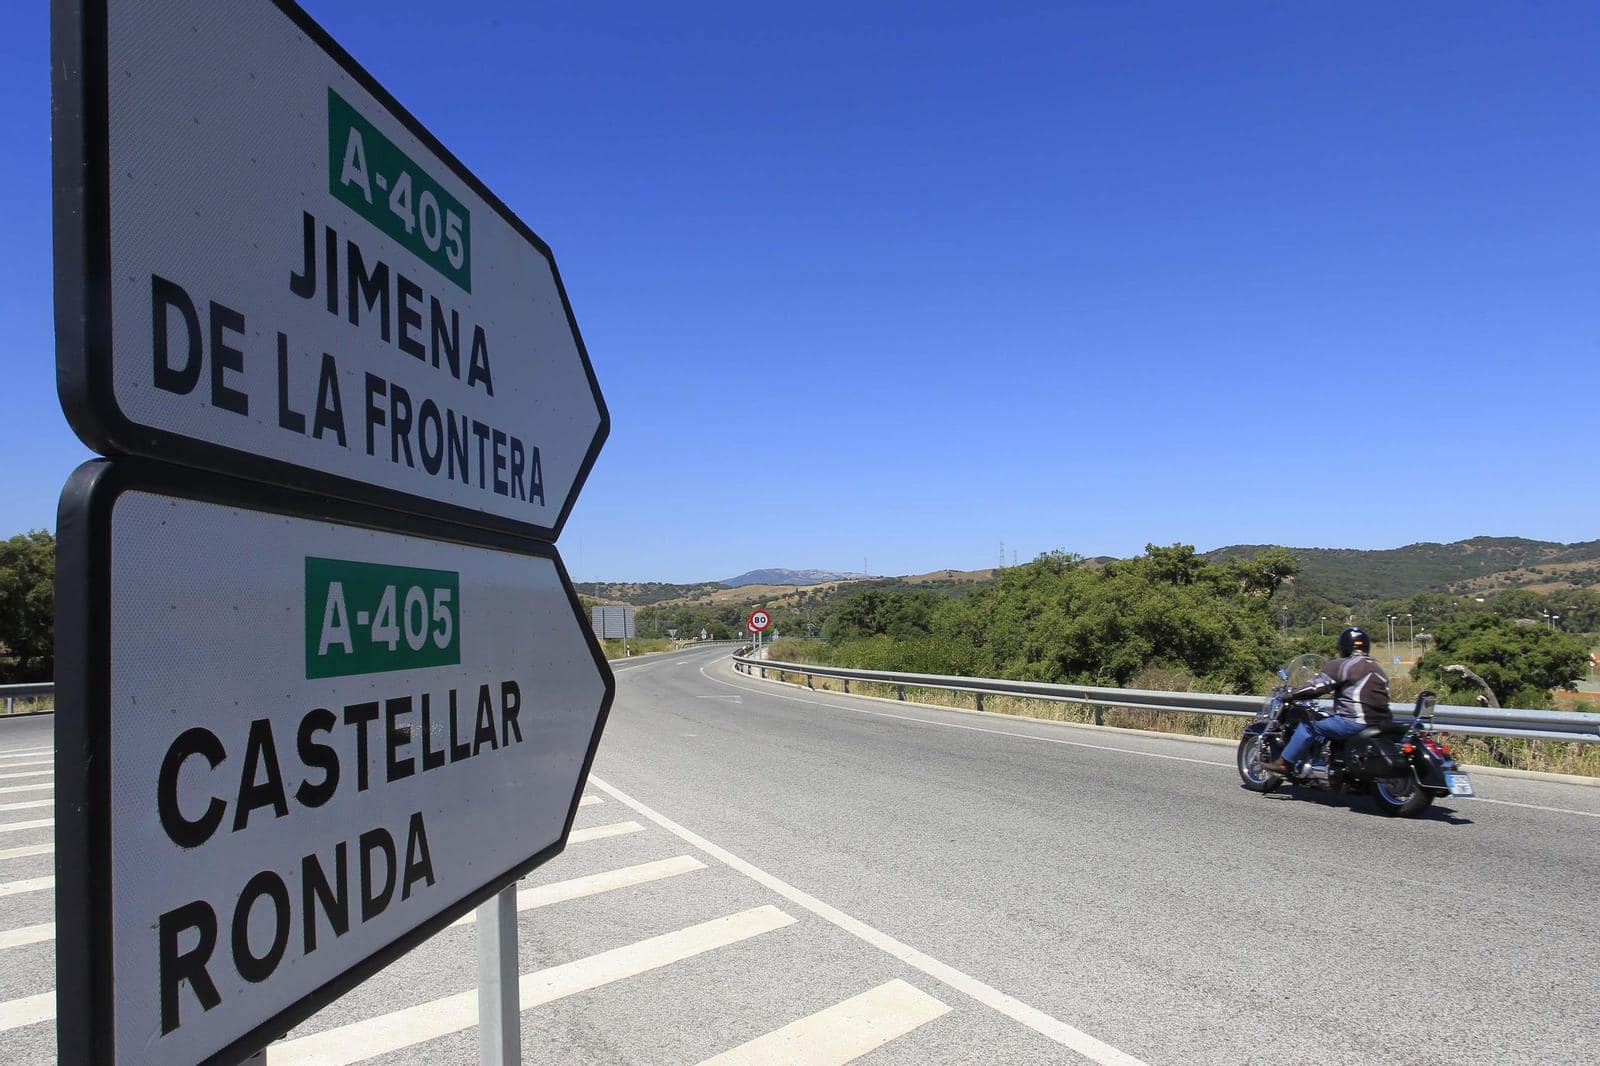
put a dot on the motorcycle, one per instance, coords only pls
(1402, 764)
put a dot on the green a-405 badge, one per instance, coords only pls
(370, 174)
(369, 618)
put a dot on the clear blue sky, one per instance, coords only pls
(896, 282)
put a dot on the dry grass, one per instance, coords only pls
(29, 704)
(1546, 756)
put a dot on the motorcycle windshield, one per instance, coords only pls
(1302, 669)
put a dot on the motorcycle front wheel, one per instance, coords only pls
(1401, 797)
(1254, 777)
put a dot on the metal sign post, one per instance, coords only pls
(499, 1012)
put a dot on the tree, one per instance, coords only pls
(1520, 662)
(27, 607)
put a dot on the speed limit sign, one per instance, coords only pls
(759, 621)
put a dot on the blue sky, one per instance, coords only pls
(895, 282)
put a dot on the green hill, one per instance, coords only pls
(1350, 575)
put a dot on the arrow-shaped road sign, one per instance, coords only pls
(267, 267)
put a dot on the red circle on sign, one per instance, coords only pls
(759, 621)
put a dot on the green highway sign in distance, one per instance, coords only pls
(295, 746)
(268, 268)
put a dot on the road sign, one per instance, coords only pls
(759, 621)
(265, 266)
(612, 623)
(291, 745)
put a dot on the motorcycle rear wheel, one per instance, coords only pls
(1401, 797)
(1254, 777)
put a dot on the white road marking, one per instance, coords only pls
(20, 765)
(969, 728)
(1077, 743)
(40, 787)
(594, 884)
(590, 801)
(1090, 1048)
(28, 805)
(1529, 806)
(428, 1021)
(843, 1032)
(27, 934)
(26, 850)
(29, 1010)
(600, 832)
(37, 823)
(30, 773)
(29, 884)
(19, 753)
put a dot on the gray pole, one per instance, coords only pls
(499, 1006)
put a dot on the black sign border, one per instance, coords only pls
(85, 1004)
(81, 181)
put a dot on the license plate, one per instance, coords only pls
(1459, 784)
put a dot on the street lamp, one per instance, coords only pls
(1411, 636)
(1393, 618)
(1322, 626)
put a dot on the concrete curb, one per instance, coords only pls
(1491, 771)
(24, 714)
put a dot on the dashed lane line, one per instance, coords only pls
(842, 1032)
(40, 787)
(27, 884)
(21, 753)
(21, 765)
(1535, 807)
(30, 773)
(601, 832)
(27, 934)
(36, 823)
(29, 1010)
(28, 805)
(530, 898)
(400, 1029)
(1089, 1047)
(26, 850)
(590, 801)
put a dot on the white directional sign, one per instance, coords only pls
(300, 746)
(267, 267)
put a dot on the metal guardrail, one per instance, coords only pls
(13, 693)
(1476, 721)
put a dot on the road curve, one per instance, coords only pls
(761, 874)
(1127, 887)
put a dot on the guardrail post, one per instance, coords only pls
(1099, 715)
(808, 682)
(847, 686)
(980, 700)
(10, 703)
(899, 692)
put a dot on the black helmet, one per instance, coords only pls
(1353, 639)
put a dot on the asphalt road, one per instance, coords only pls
(817, 877)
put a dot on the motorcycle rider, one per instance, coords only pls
(1361, 698)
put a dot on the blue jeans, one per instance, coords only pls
(1333, 727)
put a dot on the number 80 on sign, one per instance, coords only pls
(759, 621)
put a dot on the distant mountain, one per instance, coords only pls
(779, 576)
(1349, 575)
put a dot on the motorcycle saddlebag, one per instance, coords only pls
(1376, 757)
